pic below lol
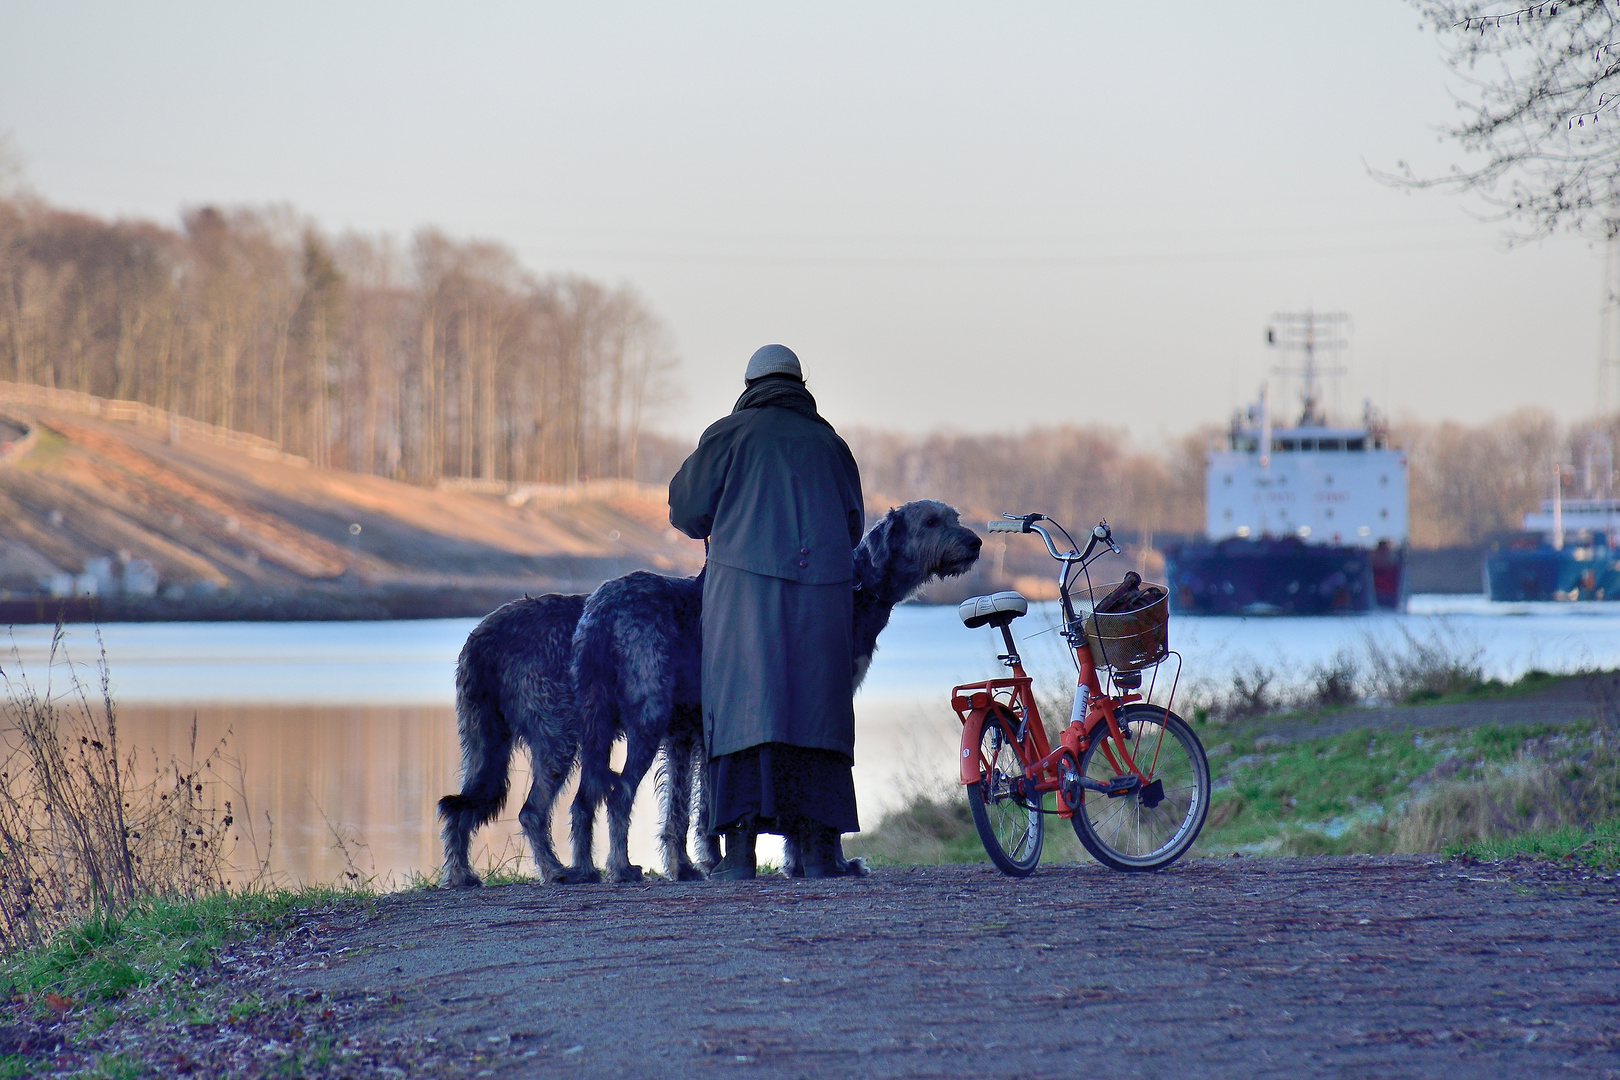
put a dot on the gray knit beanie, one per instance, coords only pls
(773, 360)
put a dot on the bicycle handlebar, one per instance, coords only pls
(1025, 523)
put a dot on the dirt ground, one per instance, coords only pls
(1385, 966)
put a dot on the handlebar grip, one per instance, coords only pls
(1007, 526)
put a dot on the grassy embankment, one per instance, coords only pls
(123, 882)
(1486, 791)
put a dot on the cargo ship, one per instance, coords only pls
(1308, 519)
(1569, 550)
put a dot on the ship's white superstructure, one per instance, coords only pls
(1597, 516)
(1324, 485)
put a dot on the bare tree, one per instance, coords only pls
(1540, 111)
(11, 163)
(455, 362)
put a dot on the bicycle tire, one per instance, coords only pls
(1147, 829)
(1011, 832)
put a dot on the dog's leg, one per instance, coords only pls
(582, 824)
(677, 792)
(638, 758)
(708, 844)
(535, 817)
(792, 862)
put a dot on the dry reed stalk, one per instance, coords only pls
(1533, 793)
(80, 835)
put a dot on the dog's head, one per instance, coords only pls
(914, 543)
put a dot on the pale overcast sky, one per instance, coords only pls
(961, 216)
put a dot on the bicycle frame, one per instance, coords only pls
(1093, 709)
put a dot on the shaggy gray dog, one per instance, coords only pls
(512, 684)
(632, 655)
(638, 674)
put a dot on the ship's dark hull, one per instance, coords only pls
(1283, 576)
(1575, 572)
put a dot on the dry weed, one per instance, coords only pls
(1541, 789)
(88, 828)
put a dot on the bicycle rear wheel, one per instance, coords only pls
(1012, 833)
(1153, 825)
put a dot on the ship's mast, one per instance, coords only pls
(1307, 333)
(1609, 327)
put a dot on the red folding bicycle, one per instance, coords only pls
(1131, 776)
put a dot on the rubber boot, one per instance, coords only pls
(816, 851)
(739, 863)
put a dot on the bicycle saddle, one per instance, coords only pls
(997, 609)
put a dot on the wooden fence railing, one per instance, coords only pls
(547, 496)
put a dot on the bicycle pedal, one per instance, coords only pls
(1121, 785)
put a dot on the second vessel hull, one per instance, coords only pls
(1575, 572)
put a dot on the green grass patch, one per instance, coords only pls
(1529, 683)
(1362, 792)
(48, 450)
(1598, 847)
(116, 1067)
(1337, 795)
(103, 958)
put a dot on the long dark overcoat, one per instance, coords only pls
(777, 494)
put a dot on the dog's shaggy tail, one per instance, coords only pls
(596, 691)
(486, 753)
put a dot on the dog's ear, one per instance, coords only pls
(884, 541)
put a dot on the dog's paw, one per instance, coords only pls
(463, 879)
(857, 868)
(624, 875)
(690, 873)
(576, 875)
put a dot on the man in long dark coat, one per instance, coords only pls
(776, 493)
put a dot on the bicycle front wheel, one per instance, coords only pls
(1012, 832)
(1153, 825)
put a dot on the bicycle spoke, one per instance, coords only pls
(1132, 834)
(1011, 832)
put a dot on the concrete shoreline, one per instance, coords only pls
(312, 604)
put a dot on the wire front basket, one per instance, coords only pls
(1128, 640)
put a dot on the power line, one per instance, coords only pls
(1010, 261)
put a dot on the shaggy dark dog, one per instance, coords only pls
(638, 674)
(512, 683)
(636, 657)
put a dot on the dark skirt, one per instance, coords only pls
(787, 788)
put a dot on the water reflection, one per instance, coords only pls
(354, 787)
(348, 728)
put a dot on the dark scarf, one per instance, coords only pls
(780, 391)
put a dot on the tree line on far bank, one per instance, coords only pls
(437, 358)
(441, 358)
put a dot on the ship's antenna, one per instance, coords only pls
(1306, 333)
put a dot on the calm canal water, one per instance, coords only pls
(348, 729)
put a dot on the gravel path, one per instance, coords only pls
(1363, 966)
